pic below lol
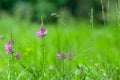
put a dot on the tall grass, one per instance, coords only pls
(95, 50)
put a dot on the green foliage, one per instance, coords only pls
(37, 8)
(95, 53)
(23, 10)
(44, 8)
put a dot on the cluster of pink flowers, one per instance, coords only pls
(42, 32)
(17, 56)
(9, 49)
(64, 56)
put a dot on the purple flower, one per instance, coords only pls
(64, 56)
(59, 56)
(8, 48)
(13, 42)
(42, 32)
(17, 56)
(70, 56)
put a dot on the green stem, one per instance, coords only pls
(103, 12)
(63, 70)
(43, 57)
(9, 66)
(91, 18)
(42, 21)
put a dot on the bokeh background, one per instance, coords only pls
(67, 9)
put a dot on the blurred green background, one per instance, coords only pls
(78, 9)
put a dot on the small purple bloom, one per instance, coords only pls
(59, 56)
(42, 32)
(13, 42)
(8, 48)
(70, 56)
(17, 56)
(64, 56)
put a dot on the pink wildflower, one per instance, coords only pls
(17, 56)
(13, 42)
(64, 56)
(42, 32)
(59, 56)
(70, 56)
(8, 48)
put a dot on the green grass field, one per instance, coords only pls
(95, 51)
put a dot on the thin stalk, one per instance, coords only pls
(91, 17)
(92, 27)
(43, 50)
(42, 21)
(63, 70)
(103, 12)
(117, 17)
(108, 9)
(117, 10)
(117, 30)
(12, 61)
(117, 4)
(43, 54)
(9, 67)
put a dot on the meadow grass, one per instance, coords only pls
(95, 51)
